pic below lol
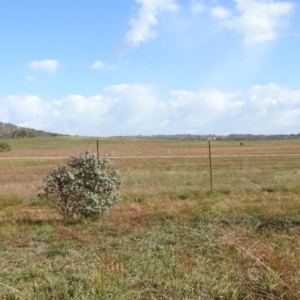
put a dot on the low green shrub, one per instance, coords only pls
(4, 147)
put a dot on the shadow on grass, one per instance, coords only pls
(281, 189)
(41, 222)
(277, 223)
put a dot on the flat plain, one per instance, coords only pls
(171, 237)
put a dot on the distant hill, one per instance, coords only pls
(10, 131)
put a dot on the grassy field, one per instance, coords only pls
(171, 237)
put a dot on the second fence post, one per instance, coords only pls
(210, 169)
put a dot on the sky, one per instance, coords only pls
(148, 67)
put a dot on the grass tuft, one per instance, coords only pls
(10, 201)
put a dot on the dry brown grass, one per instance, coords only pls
(64, 147)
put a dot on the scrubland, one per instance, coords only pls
(171, 237)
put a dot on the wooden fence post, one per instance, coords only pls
(210, 168)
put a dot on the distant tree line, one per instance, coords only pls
(230, 137)
(10, 131)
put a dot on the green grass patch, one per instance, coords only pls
(137, 198)
(58, 249)
(35, 202)
(10, 201)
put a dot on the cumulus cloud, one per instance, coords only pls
(273, 95)
(138, 102)
(257, 20)
(48, 65)
(131, 109)
(289, 117)
(24, 110)
(141, 25)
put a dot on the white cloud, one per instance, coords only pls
(200, 110)
(146, 18)
(273, 108)
(25, 110)
(290, 117)
(257, 20)
(138, 102)
(99, 65)
(220, 12)
(273, 95)
(129, 109)
(48, 65)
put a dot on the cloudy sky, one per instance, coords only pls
(111, 67)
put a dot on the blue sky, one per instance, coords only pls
(129, 67)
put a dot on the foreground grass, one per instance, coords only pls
(215, 246)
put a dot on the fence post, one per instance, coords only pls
(210, 169)
(98, 149)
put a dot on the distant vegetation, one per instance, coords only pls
(230, 137)
(10, 131)
(4, 147)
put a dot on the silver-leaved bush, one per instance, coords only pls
(86, 187)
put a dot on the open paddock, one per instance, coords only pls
(171, 237)
(162, 165)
